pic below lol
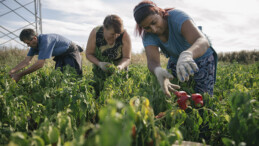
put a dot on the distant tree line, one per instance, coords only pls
(245, 57)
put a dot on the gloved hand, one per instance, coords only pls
(102, 65)
(163, 78)
(119, 67)
(186, 66)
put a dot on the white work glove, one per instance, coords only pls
(163, 78)
(186, 66)
(102, 65)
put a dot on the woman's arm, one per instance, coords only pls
(199, 43)
(186, 65)
(153, 57)
(162, 75)
(90, 48)
(126, 51)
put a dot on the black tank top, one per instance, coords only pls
(114, 52)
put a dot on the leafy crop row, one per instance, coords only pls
(49, 107)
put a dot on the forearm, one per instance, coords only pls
(31, 69)
(20, 66)
(92, 59)
(153, 58)
(124, 63)
(152, 65)
(199, 47)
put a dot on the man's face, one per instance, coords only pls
(33, 43)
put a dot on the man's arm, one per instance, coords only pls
(39, 64)
(21, 65)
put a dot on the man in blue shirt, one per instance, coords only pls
(46, 46)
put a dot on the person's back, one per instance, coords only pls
(50, 45)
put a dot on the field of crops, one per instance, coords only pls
(48, 107)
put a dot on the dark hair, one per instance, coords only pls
(144, 9)
(27, 34)
(115, 22)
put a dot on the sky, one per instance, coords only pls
(231, 25)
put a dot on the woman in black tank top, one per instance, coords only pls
(109, 44)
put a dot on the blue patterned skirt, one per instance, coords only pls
(204, 78)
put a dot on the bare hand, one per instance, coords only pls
(16, 77)
(11, 73)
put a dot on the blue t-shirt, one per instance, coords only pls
(50, 45)
(176, 42)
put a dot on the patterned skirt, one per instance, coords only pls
(204, 78)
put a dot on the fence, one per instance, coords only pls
(16, 15)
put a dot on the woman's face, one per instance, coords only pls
(154, 23)
(110, 35)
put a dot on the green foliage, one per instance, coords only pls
(50, 107)
(116, 120)
(244, 124)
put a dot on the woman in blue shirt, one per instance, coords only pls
(174, 32)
